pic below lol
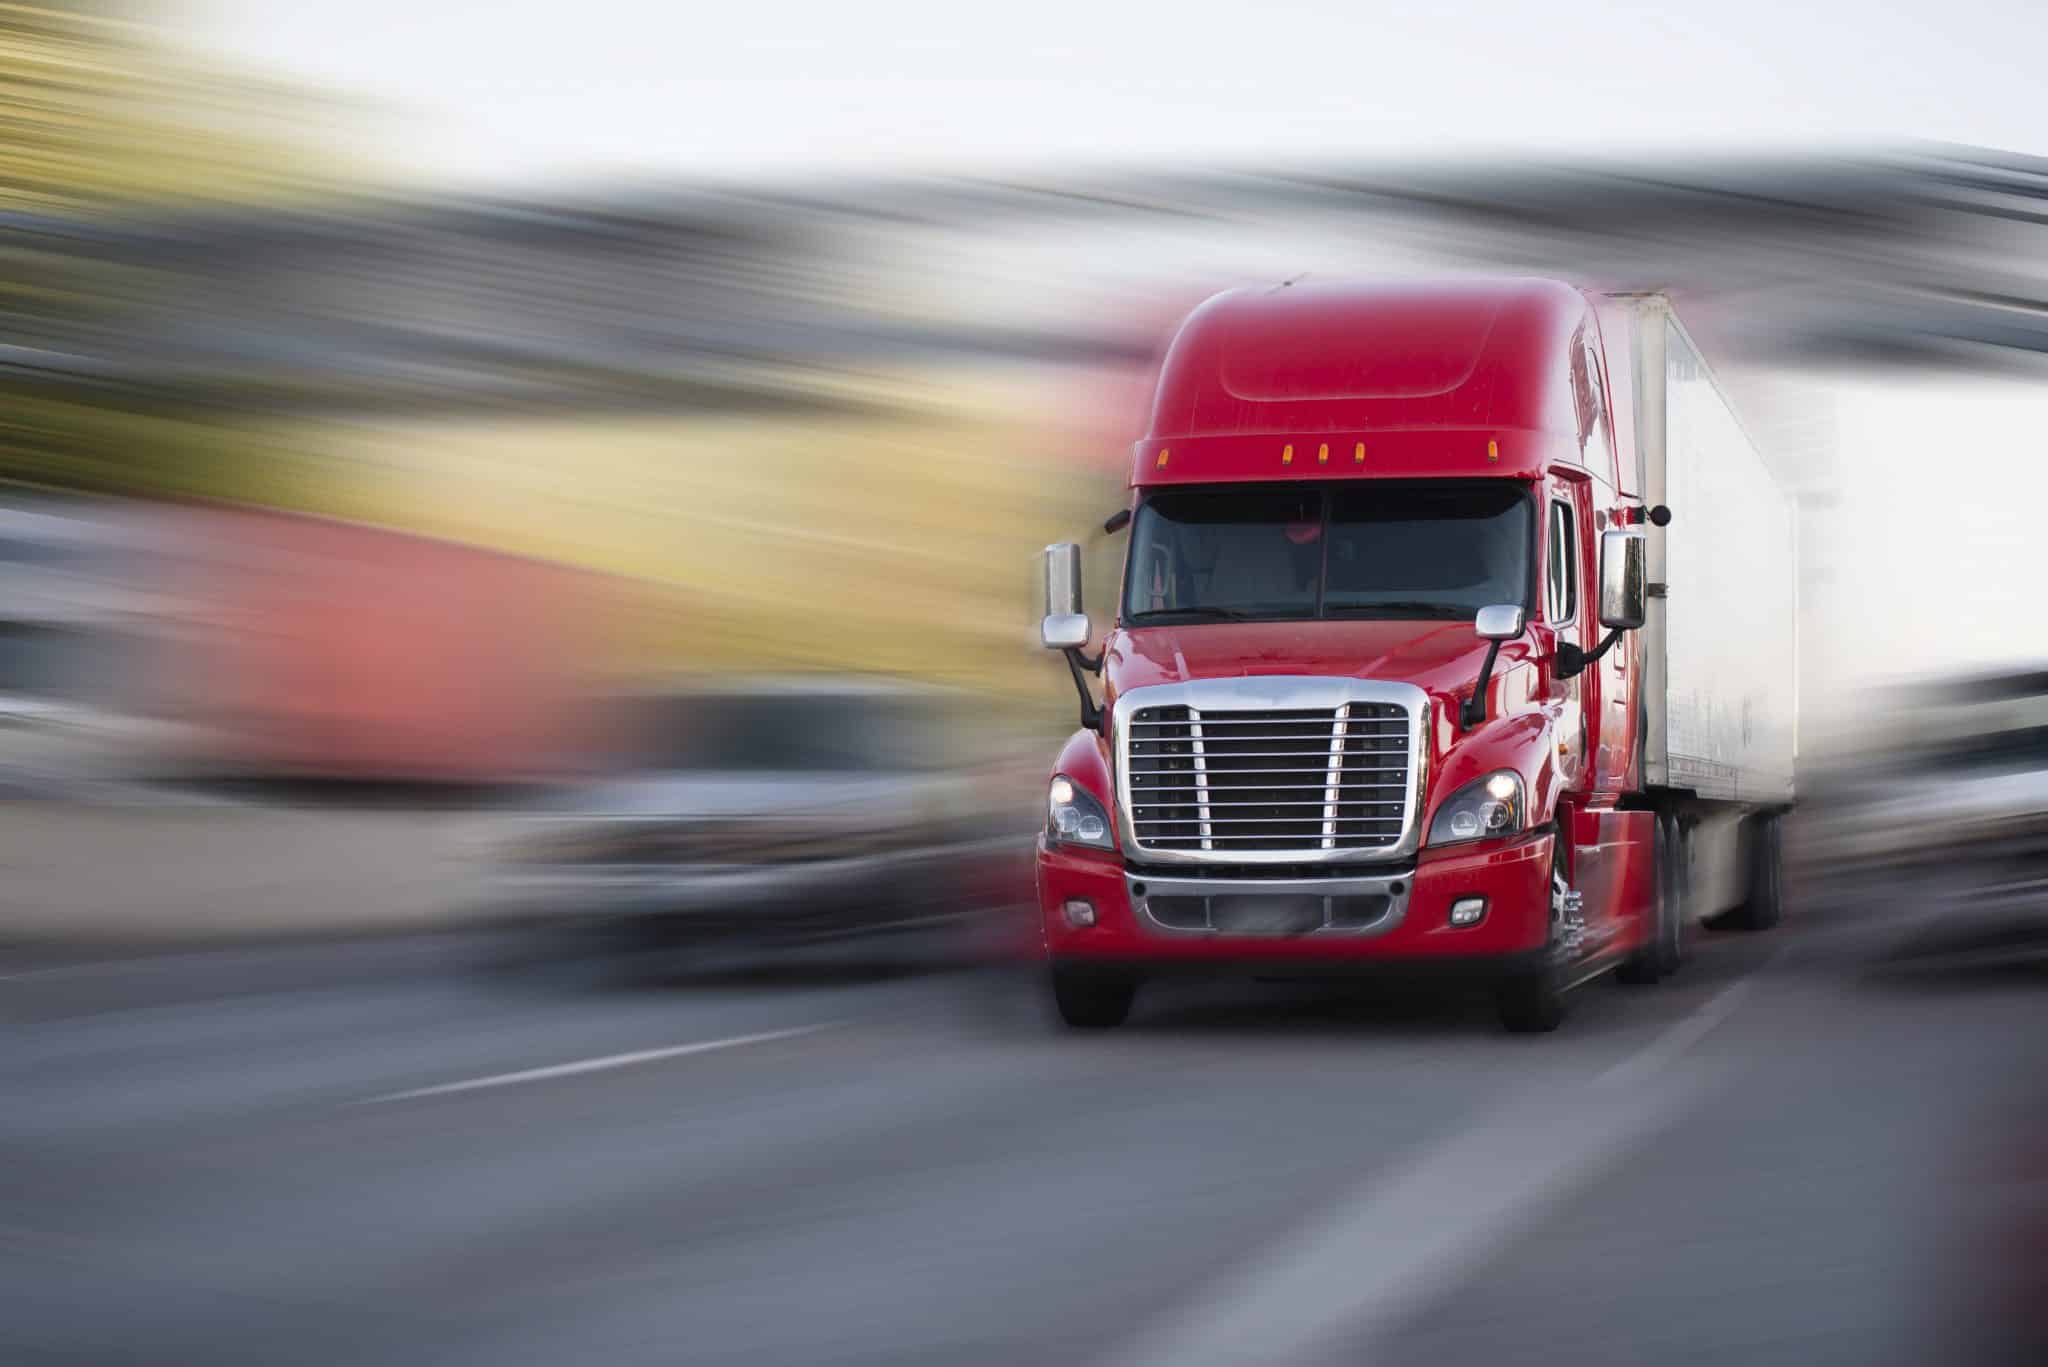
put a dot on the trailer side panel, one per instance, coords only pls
(1725, 632)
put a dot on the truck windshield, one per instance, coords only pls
(1436, 550)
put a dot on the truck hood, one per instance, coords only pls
(1442, 658)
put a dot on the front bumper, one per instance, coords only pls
(1413, 931)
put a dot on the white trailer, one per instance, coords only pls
(1721, 679)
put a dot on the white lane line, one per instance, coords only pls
(1654, 1057)
(1377, 1256)
(1661, 1052)
(61, 970)
(592, 1065)
(1383, 1253)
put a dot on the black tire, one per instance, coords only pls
(596, 956)
(1647, 964)
(1092, 999)
(1533, 1002)
(1659, 954)
(1764, 905)
(1678, 896)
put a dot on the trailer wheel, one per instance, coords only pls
(1659, 954)
(1533, 1002)
(1092, 999)
(1765, 903)
(1678, 894)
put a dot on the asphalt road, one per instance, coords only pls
(377, 1153)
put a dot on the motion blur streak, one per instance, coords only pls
(465, 634)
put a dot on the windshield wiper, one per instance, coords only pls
(1166, 616)
(1397, 607)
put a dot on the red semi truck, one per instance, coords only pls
(1406, 674)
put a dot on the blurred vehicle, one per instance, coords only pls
(311, 648)
(1359, 711)
(80, 606)
(1949, 821)
(775, 810)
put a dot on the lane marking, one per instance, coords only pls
(56, 971)
(592, 1065)
(1664, 1050)
(1658, 1054)
(1377, 1256)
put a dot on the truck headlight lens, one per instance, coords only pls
(1481, 810)
(1073, 817)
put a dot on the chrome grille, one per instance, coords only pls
(1264, 780)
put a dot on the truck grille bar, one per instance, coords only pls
(1201, 779)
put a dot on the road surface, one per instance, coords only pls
(381, 1153)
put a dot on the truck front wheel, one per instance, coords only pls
(1532, 1002)
(1092, 999)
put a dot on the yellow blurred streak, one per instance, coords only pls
(897, 536)
(871, 520)
(75, 444)
(99, 113)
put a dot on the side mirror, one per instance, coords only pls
(1501, 622)
(1623, 581)
(1065, 625)
(1497, 623)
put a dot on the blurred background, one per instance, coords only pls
(451, 451)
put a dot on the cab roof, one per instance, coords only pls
(1370, 379)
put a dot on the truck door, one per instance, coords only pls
(1613, 698)
(1596, 832)
(1609, 699)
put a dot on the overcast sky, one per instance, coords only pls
(524, 89)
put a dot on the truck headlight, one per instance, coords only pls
(1073, 817)
(1487, 807)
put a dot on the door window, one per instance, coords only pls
(1562, 580)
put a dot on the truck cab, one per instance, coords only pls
(1373, 698)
